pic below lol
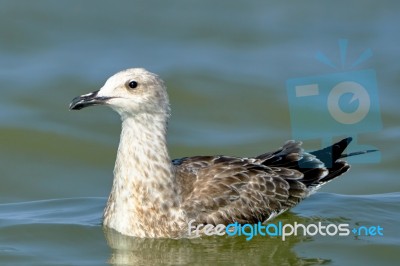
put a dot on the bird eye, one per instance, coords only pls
(132, 84)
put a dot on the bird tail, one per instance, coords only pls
(356, 153)
(330, 157)
(332, 153)
(318, 167)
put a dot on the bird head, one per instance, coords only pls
(129, 92)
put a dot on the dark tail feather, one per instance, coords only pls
(336, 170)
(356, 153)
(331, 154)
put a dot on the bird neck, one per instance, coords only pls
(144, 187)
(142, 156)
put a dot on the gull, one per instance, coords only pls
(156, 197)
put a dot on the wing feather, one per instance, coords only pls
(223, 189)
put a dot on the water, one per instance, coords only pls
(225, 65)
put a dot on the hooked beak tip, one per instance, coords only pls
(87, 100)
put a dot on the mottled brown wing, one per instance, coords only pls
(222, 190)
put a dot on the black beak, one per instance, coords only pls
(87, 100)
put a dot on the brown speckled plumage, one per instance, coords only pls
(153, 196)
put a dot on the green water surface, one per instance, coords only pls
(226, 65)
